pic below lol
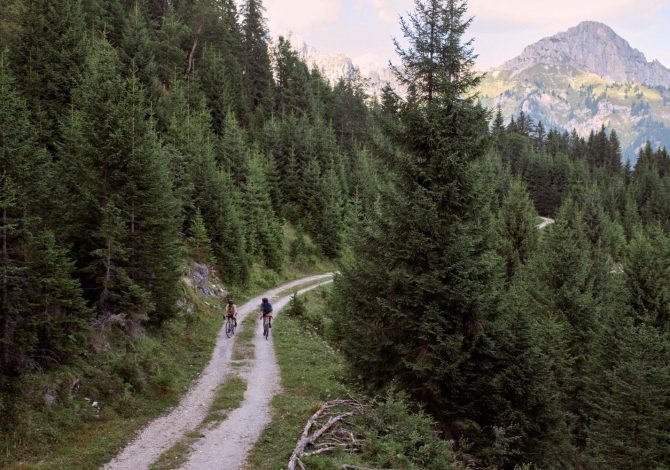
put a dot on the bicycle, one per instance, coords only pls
(230, 326)
(266, 326)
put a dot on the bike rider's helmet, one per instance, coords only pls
(265, 300)
(230, 302)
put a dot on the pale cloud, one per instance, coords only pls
(537, 14)
(298, 15)
(386, 10)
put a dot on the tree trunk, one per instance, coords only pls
(4, 357)
(191, 54)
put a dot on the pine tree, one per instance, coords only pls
(49, 56)
(42, 314)
(517, 233)
(201, 246)
(647, 272)
(631, 411)
(425, 261)
(264, 233)
(119, 211)
(256, 58)
(438, 63)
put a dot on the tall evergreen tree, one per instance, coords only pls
(42, 313)
(119, 211)
(517, 232)
(256, 58)
(49, 56)
(421, 262)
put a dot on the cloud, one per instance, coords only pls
(387, 10)
(537, 14)
(299, 15)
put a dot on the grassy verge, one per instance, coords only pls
(311, 373)
(392, 433)
(100, 400)
(130, 380)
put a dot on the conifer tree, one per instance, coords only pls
(119, 211)
(264, 233)
(516, 229)
(42, 313)
(49, 56)
(631, 412)
(201, 245)
(256, 58)
(421, 261)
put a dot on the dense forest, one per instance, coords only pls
(139, 135)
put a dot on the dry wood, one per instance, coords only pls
(354, 467)
(198, 31)
(327, 410)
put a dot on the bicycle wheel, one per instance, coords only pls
(266, 330)
(230, 327)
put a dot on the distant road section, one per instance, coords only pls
(546, 222)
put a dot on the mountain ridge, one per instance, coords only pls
(582, 79)
(615, 58)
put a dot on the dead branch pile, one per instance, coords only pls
(326, 431)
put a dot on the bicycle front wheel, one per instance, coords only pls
(230, 328)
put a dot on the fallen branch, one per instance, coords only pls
(307, 439)
(354, 467)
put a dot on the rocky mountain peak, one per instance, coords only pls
(593, 47)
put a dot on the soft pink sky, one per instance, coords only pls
(363, 29)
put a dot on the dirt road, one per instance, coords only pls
(162, 433)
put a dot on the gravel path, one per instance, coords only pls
(226, 446)
(162, 433)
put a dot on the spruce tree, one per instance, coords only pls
(517, 230)
(120, 214)
(256, 58)
(419, 298)
(42, 313)
(49, 55)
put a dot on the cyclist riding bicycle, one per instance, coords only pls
(266, 311)
(231, 311)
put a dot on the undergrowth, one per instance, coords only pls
(393, 433)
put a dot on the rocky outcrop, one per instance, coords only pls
(337, 66)
(595, 48)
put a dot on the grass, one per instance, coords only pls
(244, 348)
(393, 432)
(311, 373)
(134, 379)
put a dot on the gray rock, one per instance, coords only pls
(49, 399)
(201, 279)
(596, 48)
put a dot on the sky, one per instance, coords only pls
(363, 29)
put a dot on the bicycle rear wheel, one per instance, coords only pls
(266, 329)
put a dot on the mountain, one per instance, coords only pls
(595, 48)
(337, 66)
(584, 78)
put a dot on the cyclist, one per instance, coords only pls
(266, 311)
(231, 311)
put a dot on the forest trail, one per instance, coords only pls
(226, 446)
(263, 381)
(546, 222)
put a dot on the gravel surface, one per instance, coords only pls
(226, 446)
(164, 432)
